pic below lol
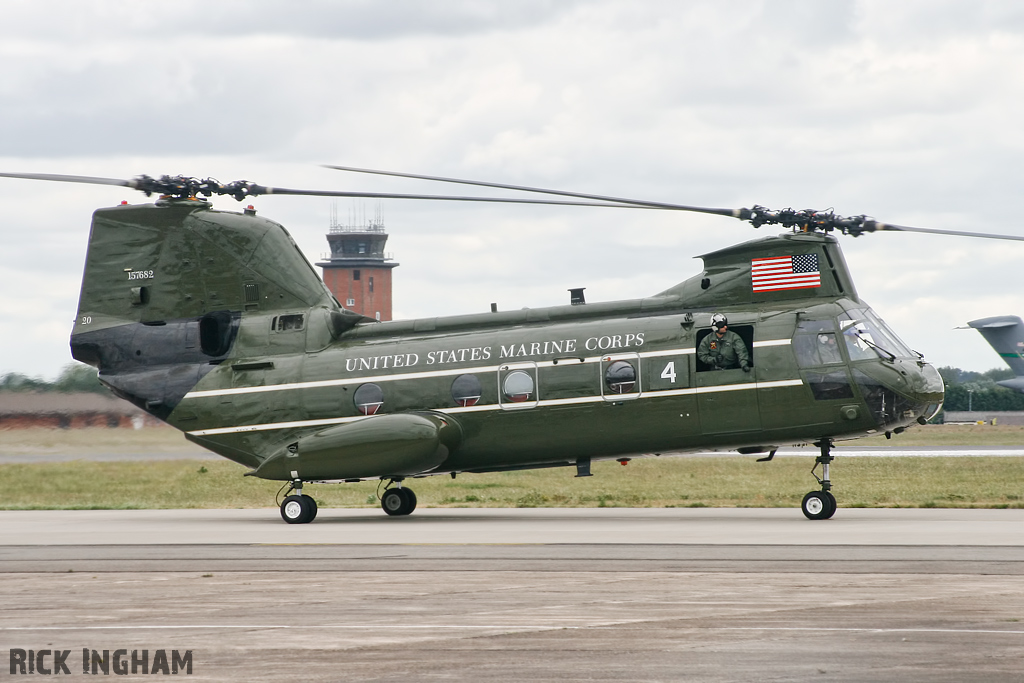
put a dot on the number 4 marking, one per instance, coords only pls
(669, 372)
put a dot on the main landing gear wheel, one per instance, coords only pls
(398, 502)
(410, 501)
(312, 505)
(300, 509)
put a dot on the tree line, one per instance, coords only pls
(75, 377)
(966, 390)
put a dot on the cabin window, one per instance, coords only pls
(829, 385)
(816, 349)
(518, 386)
(620, 377)
(290, 322)
(467, 390)
(368, 399)
(746, 333)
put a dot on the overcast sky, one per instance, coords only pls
(911, 112)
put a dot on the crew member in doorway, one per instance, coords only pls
(723, 349)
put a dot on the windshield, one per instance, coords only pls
(868, 337)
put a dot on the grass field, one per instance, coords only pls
(990, 482)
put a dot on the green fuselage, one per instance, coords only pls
(572, 412)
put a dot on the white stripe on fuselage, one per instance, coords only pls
(208, 393)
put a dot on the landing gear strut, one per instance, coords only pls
(298, 508)
(398, 501)
(821, 504)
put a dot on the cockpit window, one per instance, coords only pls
(816, 349)
(901, 349)
(868, 337)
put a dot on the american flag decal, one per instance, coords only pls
(785, 272)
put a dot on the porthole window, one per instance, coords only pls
(518, 386)
(620, 377)
(368, 399)
(466, 390)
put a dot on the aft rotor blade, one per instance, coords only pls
(91, 180)
(258, 190)
(933, 231)
(734, 213)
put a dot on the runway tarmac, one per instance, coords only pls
(527, 595)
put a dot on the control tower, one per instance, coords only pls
(358, 271)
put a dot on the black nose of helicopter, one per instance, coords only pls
(900, 392)
(926, 389)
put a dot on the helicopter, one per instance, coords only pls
(216, 323)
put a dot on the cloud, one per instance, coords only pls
(907, 112)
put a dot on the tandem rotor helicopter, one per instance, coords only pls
(215, 322)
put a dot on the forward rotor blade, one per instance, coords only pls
(933, 231)
(241, 189)
(734, 213)
(91, 180)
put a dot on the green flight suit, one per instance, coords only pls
(721, 354)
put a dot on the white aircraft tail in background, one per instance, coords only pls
(1005, 333)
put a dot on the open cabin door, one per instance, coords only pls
(727, 399)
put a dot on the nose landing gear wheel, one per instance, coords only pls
(398, 502)
(298, 509)
(819, 505)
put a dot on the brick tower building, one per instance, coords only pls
(357, 271)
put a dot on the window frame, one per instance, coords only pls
(607, 362)
(528, 368)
